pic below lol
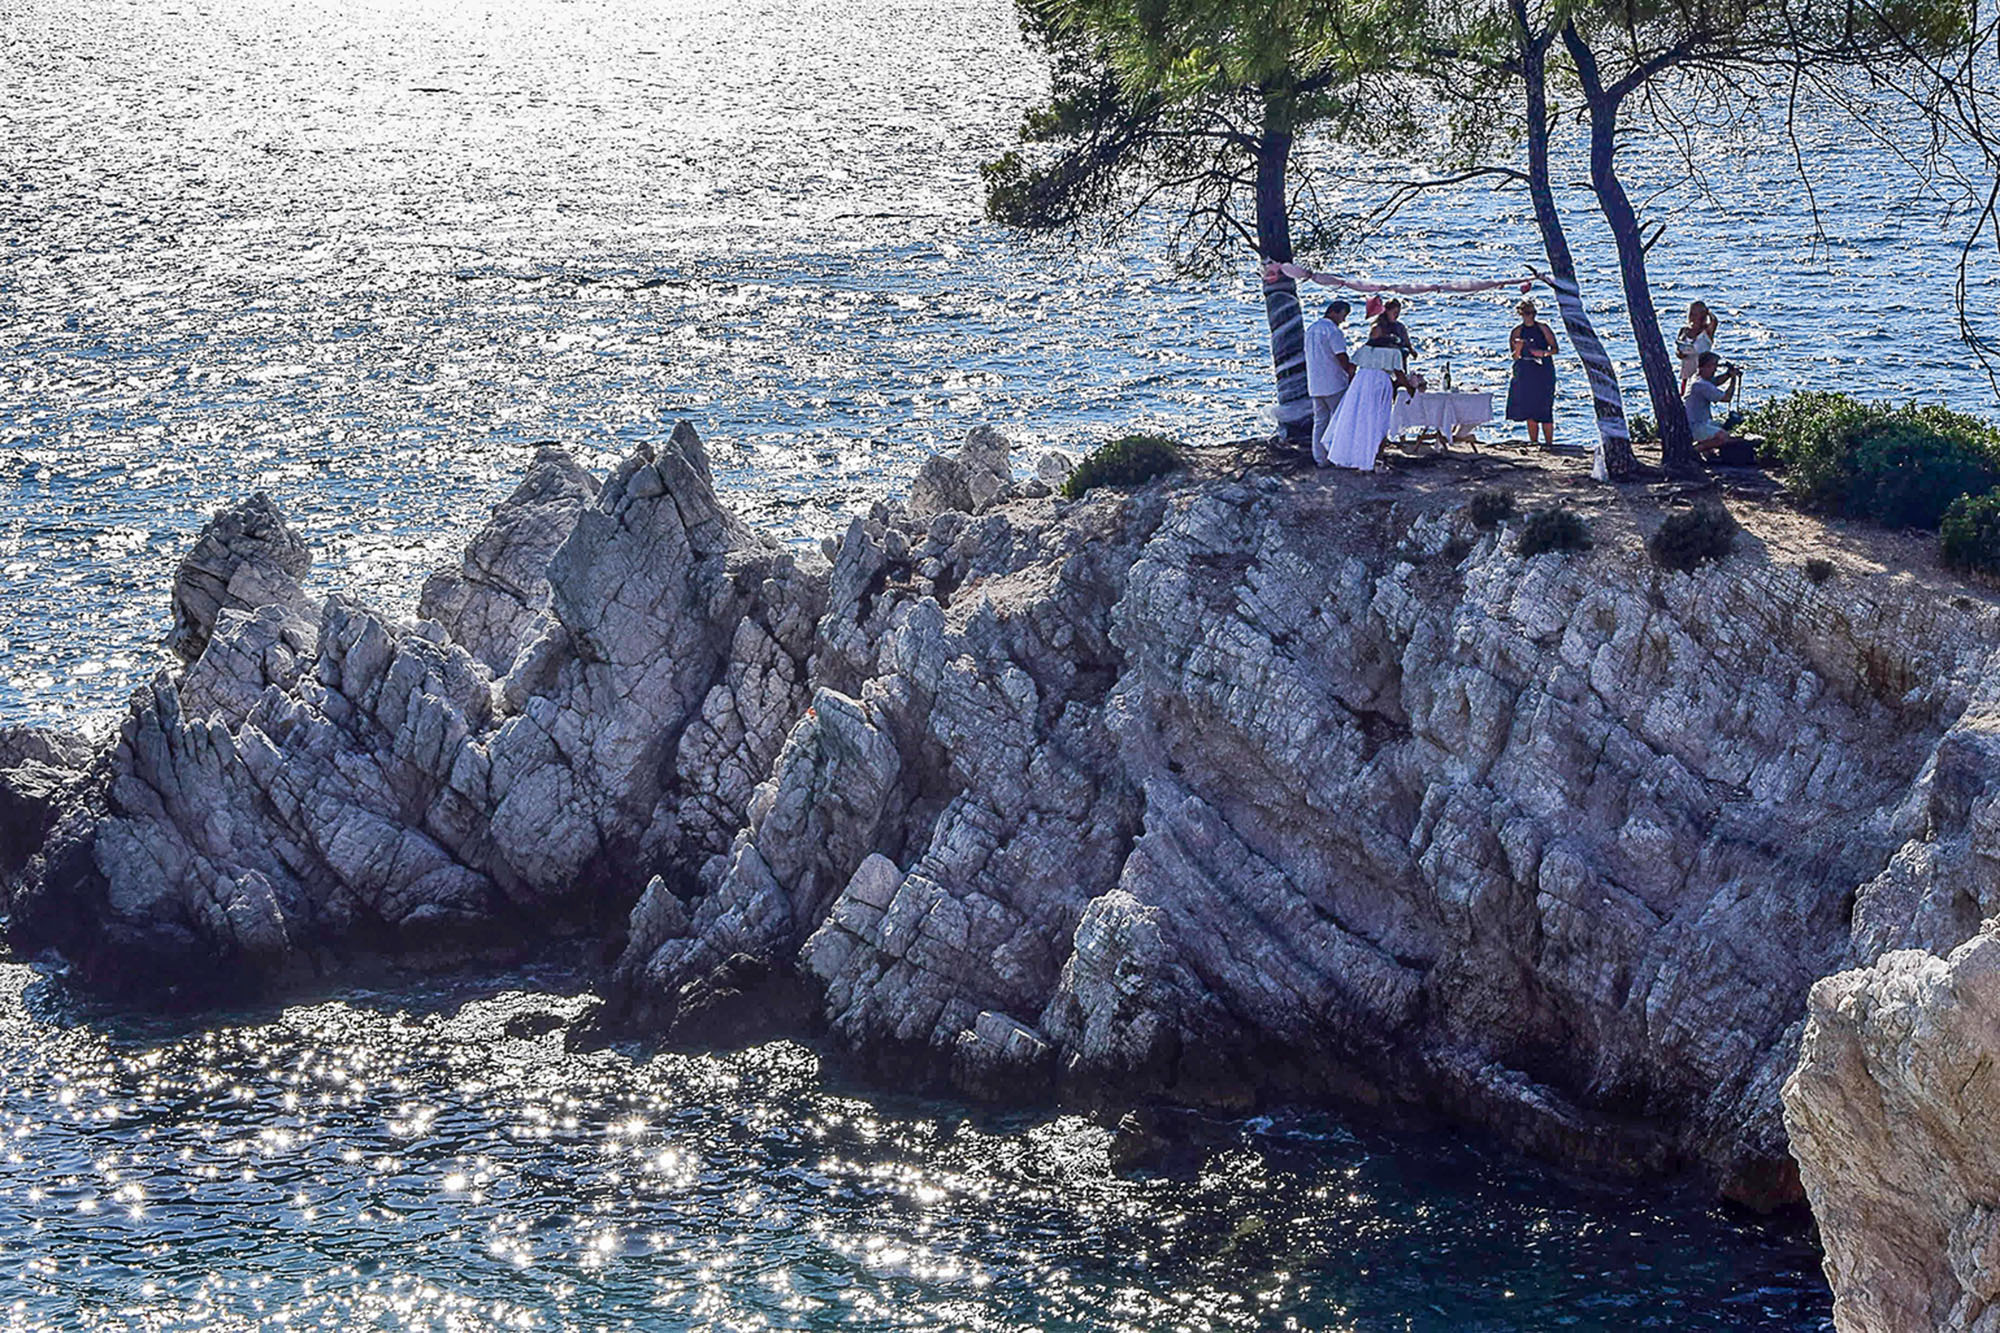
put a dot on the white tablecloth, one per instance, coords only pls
(1453, 415)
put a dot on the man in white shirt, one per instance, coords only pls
(1328, 370)
(1703, 392)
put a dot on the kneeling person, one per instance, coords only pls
(1703, 392)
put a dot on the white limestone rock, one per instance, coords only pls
(1190, 774)
(497, 597)
(1891, 1113)
(972, 481)
(246, 557)
(355, 785)
(1210, 791)
(248, 653)
(649, 595)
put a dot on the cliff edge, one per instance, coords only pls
(1248, 784)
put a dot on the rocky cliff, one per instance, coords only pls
(1247, 784)
(1892, 1113)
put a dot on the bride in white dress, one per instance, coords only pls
(1361, 423)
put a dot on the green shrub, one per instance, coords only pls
(1901, 466)
(1129, 460)
(1807, 432)
(1818, 570)
(1490, 507)
(1909, 468)
(1970, 532)
(1690, 536)
(1553, 529)
(1642, 430)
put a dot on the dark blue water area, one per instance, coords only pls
(431, 1157)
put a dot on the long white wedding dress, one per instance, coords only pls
(1361, 422)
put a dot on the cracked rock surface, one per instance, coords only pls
(246, 557)
(41, 769)
(1892, 1112)
(1232, 788)
(497, 598)
(311, 790)
(1224, 790)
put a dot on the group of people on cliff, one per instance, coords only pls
(1354, 390)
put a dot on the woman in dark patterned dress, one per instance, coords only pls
(1532, 395)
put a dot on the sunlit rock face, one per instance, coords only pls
(1893, 1106)
(246, 557)
(358, 783)
(1892, 1113)
(1219, 790)
(497, 599)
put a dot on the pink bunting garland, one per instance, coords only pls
(1273, 272)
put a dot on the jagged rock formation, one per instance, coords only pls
(497, 600)
(40, 770)
(1892, 1113)
(361, 783)
(1227, 788)
(246, 557)
(42, 745)
(1215, 791)
(1893, 1107)
(971, 481)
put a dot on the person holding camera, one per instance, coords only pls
(1713, 383)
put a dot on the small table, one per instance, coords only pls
(1452, 416)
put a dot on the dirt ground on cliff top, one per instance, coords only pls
(1626, 512)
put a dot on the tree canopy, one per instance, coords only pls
(1190, 111)
(1200, 101)
(1622, 54)
(1177, 99)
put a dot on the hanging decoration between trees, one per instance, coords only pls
(1299, 273)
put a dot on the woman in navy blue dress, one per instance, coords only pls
(1531, 397)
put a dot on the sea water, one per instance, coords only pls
(435, 1158)
(364, 255)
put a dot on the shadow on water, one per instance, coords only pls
(431, 1155)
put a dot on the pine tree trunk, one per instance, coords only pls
(1281, 298)
(1614, 442)
(1662, 378)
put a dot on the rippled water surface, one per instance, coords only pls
(364, 253)
(434, 1159)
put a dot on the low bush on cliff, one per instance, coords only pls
(1454, 551)
(1129, 460)
(1691, 536)
(1490, 508)
(1553, 529)
(1970, 532)
(1908, 472)
(1900, 466)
